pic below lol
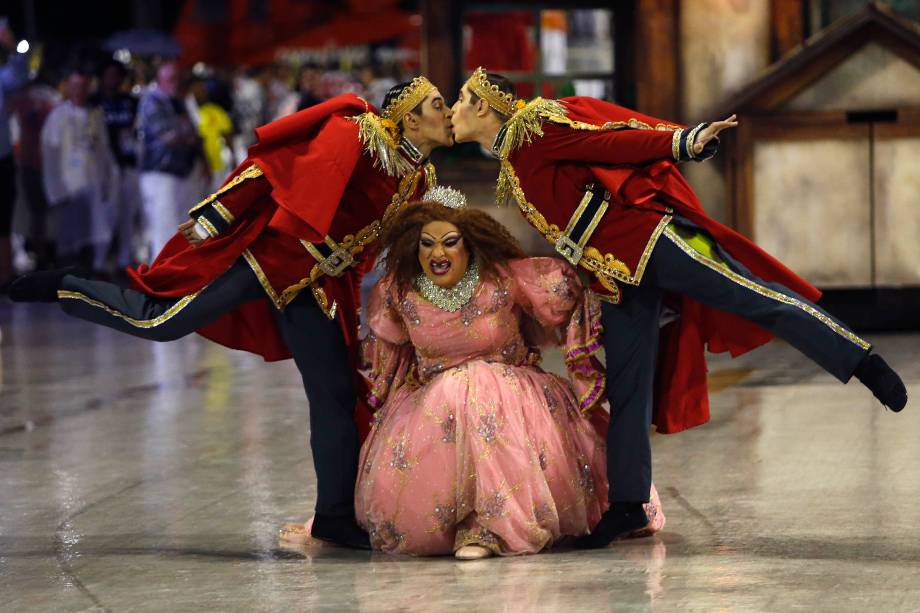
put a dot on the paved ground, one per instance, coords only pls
(143, 477)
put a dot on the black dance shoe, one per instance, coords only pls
(41, 286)
(619, 522)
(342, 531)
(884, 383)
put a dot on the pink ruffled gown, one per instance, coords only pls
(472, 442)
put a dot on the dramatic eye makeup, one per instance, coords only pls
(452, 239)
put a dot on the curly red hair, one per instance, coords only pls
(487, 241)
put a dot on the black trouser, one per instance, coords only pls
(315, 342)
(632, 343)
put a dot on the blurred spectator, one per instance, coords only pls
(80, 176)
(31, 108)
(167, 155)
(215, 128)
(309, 86)
(376, 85)
(13, 75)
(277, 92)
(248, 106)
(120, 111)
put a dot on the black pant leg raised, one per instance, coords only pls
(158, 319)
(727, 285)
(322, 358)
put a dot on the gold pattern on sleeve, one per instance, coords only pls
(632, 122)
(207, 225)
(251, 172)
(222, 211)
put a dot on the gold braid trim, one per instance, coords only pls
(137, 323)
(380, 138)
(605, 267)
(354, 243)
(251, 172)
(632, 122)
(431, 176)
(743, 281)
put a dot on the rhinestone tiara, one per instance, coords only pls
(481, 86)
(447, 196)
(410, 97)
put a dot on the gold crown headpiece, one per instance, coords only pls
(410, 97)
(481, 86)
(446, 196)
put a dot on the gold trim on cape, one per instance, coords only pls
(526, 123)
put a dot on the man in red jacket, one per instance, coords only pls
(600, 183)
(271, 263)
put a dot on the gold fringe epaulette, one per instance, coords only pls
(380, 138)
(527, 122)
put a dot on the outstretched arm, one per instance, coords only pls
(632, 145)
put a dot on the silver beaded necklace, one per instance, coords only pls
(449, 299)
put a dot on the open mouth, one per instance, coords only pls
(439, 267)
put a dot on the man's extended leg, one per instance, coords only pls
(713, 278)
(138, 314)
(700, 271)
(631, 347)
(320, 353)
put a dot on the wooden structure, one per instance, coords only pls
(823, 169)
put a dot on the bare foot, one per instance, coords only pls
(296, 534)
(473, 552)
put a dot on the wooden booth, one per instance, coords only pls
(824, 170)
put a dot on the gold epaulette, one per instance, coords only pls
(526, 123)
(251, 172)
(380, 138)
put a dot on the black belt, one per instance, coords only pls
(571, 243)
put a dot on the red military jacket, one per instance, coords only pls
(552, 151)
(309, 183)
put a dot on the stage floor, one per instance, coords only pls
(145, 477)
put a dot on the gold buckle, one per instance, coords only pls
(337, 262)
(569, 249)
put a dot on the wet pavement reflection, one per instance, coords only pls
(136, 476)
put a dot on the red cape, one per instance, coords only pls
(293, 152)
(681, 394)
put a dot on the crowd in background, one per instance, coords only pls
(100, 161)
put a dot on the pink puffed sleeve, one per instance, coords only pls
(387, 354)
(549, 290)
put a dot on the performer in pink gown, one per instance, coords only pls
(474, 449)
